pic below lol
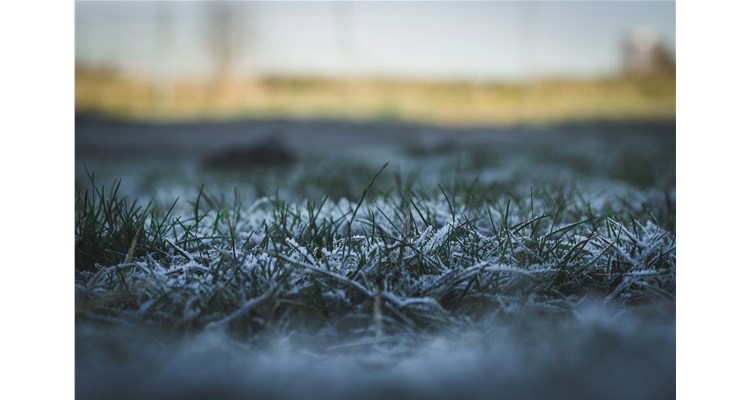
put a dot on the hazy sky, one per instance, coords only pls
(469, 40)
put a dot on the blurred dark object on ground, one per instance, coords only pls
(271, 151)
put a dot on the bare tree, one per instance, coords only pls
(225, 38)
(343, 15)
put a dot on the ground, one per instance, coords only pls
(319, 258)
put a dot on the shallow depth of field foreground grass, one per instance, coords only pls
(545, 274)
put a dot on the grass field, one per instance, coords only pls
(545, 101)
(543, 266)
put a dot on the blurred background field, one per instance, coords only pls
(447, 62)
(548, 101)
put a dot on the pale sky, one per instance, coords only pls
(464, 40)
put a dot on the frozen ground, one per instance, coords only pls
(480, 263)
(596, 355)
